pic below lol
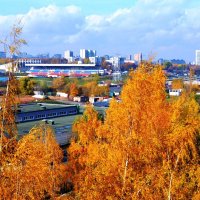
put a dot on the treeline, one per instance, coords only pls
(64, 84)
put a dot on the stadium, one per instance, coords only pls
(56, 70)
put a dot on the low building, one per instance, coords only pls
(62, 94)
(81, 99)
(39, 95)
(61, 122)
(39, 111)
(175, 92)
(62, 127)
(95, 99)
(115, 90)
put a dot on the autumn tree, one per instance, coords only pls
(11, 44)
(92, 89)
(8, 127)
(30, 168)
(35, 171)
(60, 84)
(177, 84)
(85, 134)
(73, 89)
(146, 148)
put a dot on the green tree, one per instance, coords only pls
(167, 65)
(26, 85)
(86, 61)
(43, 86)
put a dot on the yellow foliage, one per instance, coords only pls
(145, 149)
(177, 84)
(35, 171)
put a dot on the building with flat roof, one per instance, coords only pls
(60, 122)
(137, 57)
(59, 116)
(197, 57)
(86, 53)
(38, 111)
(68, 55)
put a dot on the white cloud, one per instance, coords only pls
(169, 27)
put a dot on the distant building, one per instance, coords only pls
(92, 53)
(95, 60)
(116, 62)
(68, 54)
(2, 54)
(85, 53)
(161, 61)
(21, 63)
(57, 56)
(23, 55)
(178, 61)
(107, 57)
(44, 55)
(197, 57)
(56, 70)
(129, 57)
(137, 57)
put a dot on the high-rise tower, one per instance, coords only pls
(197, 58)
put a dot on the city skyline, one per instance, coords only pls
(167, 29)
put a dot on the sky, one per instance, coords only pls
(168, 29)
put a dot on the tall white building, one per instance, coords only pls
(69, 56)
(86, 53)
(137, 57)
(92, 53)
(197, 62)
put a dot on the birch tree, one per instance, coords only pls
(147, 147)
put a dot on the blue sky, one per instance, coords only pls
(89, 7)
(165, 28)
